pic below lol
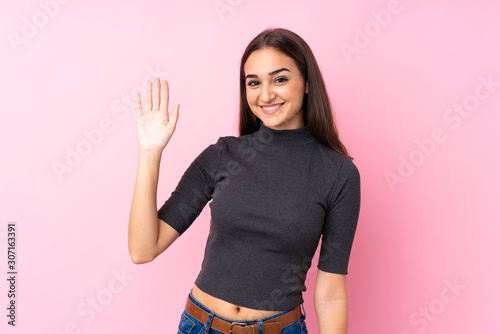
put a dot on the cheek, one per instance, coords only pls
(297, 93)
(290, 94)
(251, 97)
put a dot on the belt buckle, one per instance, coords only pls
(239, 324)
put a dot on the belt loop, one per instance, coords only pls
(304, 310)
(206, 329)
(260, 327)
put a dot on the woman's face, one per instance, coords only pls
(275, 89)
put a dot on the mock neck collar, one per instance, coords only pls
(284, 138)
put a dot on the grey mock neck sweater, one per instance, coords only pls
(275, 194)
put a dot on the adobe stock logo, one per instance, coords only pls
(121, 108)
(31, 27)
(454, 116)
(249, 151)
(373, 28)
(431, 311)
(97, 302)
(223, 6)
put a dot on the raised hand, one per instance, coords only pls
(154, 126)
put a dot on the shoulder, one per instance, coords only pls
(230, 140)
(336, 163)
(216, 150)
(219, 144)
(229, 143)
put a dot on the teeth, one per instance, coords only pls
(271, 108)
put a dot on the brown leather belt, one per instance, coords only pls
(272, 326)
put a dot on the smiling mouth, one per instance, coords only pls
(269, 109)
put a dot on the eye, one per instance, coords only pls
(281, 79)
(252, 83)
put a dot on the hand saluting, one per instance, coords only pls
(154, 126)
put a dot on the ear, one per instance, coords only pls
(307, 87)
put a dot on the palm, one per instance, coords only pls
(154, 126)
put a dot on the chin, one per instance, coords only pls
(275, 125)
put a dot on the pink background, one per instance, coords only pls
(425, 257)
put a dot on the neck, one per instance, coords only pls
(284, 138)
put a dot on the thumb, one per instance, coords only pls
(175, 114)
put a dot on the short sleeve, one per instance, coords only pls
(194, 189)
(341, 220)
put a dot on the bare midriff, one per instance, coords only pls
(228, 310)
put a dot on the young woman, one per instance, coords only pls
(283, 184)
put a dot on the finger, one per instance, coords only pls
(156, 94)
(175, 115)
(148, 97)
(164, 98)
(138, 106)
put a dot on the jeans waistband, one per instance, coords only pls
(199, 304)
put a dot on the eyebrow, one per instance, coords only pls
(271, 73)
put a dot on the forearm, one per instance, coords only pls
(143, 222)
(332, 316)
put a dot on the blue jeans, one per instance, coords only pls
(189, 325)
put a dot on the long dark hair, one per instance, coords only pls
(316, 105)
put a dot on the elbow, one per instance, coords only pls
(329, 300)
(139, 258)
(329, 297)
(139, 252)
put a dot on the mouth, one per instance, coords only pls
(272, 108)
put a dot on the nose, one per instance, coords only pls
(267, 93)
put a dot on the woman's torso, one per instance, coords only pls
(228, 310)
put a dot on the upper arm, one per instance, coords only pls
(329, 286)
(193, 191)
(341, 219)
